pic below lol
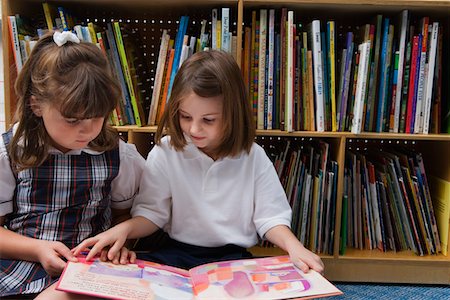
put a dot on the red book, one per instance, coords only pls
(412, 85)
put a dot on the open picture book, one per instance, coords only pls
(255, 278)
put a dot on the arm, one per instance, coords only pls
(48, 253)
(303, 258)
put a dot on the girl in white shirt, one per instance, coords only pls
(206, 183)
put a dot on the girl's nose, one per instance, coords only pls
(86, 125)
(195, 128)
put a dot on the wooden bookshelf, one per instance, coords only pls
(355, 265)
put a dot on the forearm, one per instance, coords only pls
(137, 227)
(283, 237)
(17, 246)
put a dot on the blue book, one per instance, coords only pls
(383, 78)
(177, 47)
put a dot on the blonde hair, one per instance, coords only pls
(209, 74)
(75, 78)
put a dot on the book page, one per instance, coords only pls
(260, 278)
(142, 280)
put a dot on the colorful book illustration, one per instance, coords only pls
(259, 278)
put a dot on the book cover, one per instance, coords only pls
(258, 278)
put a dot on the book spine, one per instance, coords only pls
(289, 71)
(48, 15)
(178, 48)
(364, 49)
(401, 62)
(158, 77)
(332, 71)
(270, 69)
(14, 36)
(262, 66)
(118, 68)
(430, 75)
(318, 80)
(226, 42)
(409, 123)
(63, 17)
(127, 74)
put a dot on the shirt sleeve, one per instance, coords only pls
(154, 200)
(7, 182)
(125, 186)
(271, 205)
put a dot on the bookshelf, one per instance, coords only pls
(149, 17)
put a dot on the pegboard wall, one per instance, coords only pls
(144, 33)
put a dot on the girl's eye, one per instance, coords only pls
(72, 121)
(185, 117)
(208, 120)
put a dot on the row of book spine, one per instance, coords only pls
(111, 39)
(378, 77)
(387, 203)
(309, 178)
(173, 51)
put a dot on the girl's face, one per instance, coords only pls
(67, 133)
(201, 120)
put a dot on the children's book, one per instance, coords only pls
(256, 278)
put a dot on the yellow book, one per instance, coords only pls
(49, 12)
(332, 74)
(91, 29)
(219, 34)
(440, 191)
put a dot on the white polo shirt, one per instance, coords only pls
(203, 202)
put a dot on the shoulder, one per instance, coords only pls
(128, 151)
(258, 153)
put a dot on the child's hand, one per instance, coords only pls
(110, 241)
(304, 259)
(124, 256)
(50, 256)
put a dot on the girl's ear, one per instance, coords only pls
(35, 106)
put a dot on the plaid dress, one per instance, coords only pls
(66, 199)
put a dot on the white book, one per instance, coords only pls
(214, 17)
(158, 77)
(226, 42)
(318, 74)
(14, 34)
(184, 54)
(78, 32)
(401, 61)
(429, 85)
(418, 118)
(270, 67)
(288, 119)
(192, 43)
(262, 66)
(364, 50)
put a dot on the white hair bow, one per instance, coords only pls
(61, 38)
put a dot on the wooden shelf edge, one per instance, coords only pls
(315, 134)
(387, 271)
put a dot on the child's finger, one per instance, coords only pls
(67, 254)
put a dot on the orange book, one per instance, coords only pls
(162, 102)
